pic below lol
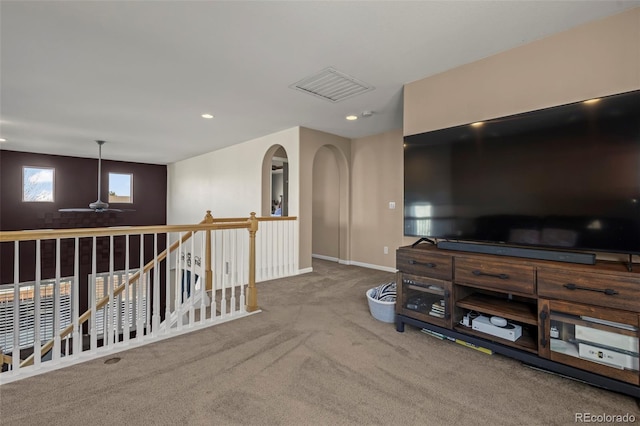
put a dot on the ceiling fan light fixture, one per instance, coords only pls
(97, 206)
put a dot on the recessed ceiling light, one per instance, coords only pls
(3, 140)
(207, 116)
(592, 101)
(477, 123)
(351, 117)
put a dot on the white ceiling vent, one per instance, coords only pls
(332, 85)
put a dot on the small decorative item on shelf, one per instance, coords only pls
(437, 309)
(382, 301)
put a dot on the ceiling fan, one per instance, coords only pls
(97, 206)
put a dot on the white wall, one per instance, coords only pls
(228, 181)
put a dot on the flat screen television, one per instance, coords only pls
(566, 177)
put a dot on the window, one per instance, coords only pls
(37, 184)
(26, 305)
(120, 188)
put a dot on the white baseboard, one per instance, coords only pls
(305, 271)
(371, 266)
(323, 257)
(354, 263)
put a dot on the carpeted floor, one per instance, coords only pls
(313, 356)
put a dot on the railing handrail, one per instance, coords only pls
(260, 219)
(50, 234)
(205, 225)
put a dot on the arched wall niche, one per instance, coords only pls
(311, 141)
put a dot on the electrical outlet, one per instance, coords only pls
(392, 205)
(386, 250)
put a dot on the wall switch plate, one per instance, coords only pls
(386, 250)
(392, 204)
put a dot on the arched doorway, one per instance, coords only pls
(275, 182)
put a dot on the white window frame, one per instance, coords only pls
(130, 188)
(53, 184)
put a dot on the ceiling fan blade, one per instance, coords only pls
(117, 210)
(75, 210)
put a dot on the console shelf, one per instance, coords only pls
(526, 342)
(517, 311)
(582, 321)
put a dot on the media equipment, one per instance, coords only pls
(509, 331)
(530, 253)
(608, 356)
(563, 178)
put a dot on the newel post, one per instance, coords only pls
(252, 292)
(208, 274)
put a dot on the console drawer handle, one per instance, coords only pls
(501, 276)
(428, 265)
(607, 291)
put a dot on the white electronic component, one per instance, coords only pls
(498, 321)
(608, 356)
(466, 320)
(511, 332)
(607, 338)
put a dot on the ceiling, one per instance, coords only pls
(139, 74)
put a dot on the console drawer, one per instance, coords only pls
(426, 264)
(612, 291)
(504, 277)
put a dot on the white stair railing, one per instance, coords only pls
(204, 279)
(133, 293)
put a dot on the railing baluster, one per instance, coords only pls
(92, 328)
(191, 277)
(289, 245)
(295, 246)
(127, 296)
(110, 333)
(147, 302)
(36, 308)
(272, 250)
(203, 281)
(223, 297)
(156, 287)
(138, 290)
(281, 248)
(16, 308)
(75, 299)
(167, 282)
(241, 271)
(181, 292)
(56, 307)
(232, 269)
(214, 285)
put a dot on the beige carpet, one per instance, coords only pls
(314, 356)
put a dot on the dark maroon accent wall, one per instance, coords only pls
(76, 182)
(76, 185)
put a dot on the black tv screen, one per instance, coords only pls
(564, 177)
